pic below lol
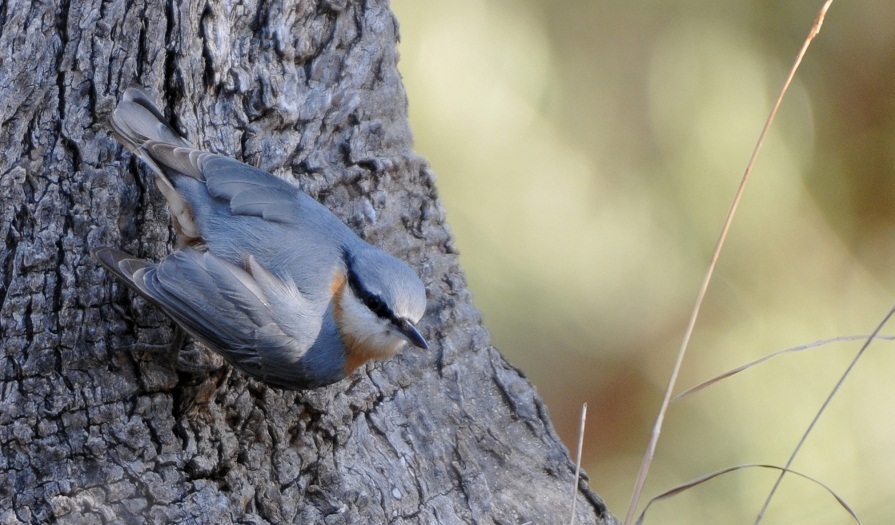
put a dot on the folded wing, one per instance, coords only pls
(257, 322)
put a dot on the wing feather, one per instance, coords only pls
(259, 325)
(251, 191)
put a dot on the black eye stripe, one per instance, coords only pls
(377, 307)
(371, 300)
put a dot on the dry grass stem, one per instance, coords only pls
(657, 426)
(578, 460)
(823, 407)
(808, 346)
(702, 479)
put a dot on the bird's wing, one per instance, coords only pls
(256, 321)
(247, 189)
(251, 191)
(140, 126)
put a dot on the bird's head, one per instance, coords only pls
(378, 306)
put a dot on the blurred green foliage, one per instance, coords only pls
(587, 152)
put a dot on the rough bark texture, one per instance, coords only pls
(91, 433)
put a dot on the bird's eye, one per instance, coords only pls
(376, 306)
(370, 300)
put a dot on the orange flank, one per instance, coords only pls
(335, 286)
(355, 353)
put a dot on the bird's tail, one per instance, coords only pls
(137, 121)
(138, 125)
(125, 267)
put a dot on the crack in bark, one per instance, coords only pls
(8, 262)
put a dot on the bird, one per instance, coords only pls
(262, 273)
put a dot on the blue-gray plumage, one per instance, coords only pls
(264, 275)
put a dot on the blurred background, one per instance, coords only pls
(587, 153)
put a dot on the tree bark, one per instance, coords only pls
(92, 433)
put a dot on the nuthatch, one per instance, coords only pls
(264, 275)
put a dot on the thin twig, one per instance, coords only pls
(660, 418)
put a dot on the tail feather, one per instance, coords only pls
(124, 266)
(139, 125)
(137, 121)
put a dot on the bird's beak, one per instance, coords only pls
(411, 334)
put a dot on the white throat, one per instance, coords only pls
(365, 332)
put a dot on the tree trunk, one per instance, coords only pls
(93, 433)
